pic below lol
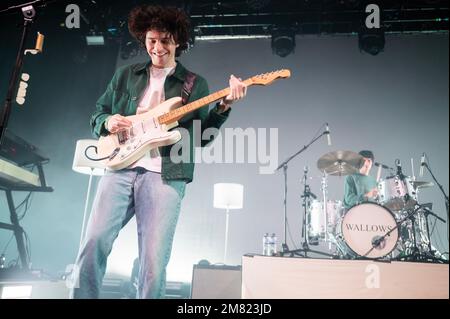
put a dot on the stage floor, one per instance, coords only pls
(299, 278)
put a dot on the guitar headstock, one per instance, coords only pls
(268, 78)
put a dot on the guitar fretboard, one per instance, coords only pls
(178, 113)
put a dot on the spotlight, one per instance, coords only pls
(283, 42)
(95, 40)
(257, 4)
(371, 42)
(371, 33)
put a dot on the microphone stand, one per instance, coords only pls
(376, 242)
(416, 256)
(28, 16)
(284, 165)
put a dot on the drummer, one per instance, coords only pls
(361, 187)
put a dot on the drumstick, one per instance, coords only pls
(378, 173)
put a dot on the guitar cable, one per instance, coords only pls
(113, 154)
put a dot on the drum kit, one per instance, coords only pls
(393, 226)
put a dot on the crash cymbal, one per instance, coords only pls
(340, 163)
(421, 184)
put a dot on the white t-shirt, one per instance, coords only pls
(153, 96)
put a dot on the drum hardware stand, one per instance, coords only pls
(285, 248)
(415, 252)
(306, 203)
(400, 174)
(426, 212)
(325, 211)
(325, 204)
(307, 194)
(441, 188)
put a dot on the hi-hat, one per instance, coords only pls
(340, 163)
(421, 184)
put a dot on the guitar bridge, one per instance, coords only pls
(122, 136)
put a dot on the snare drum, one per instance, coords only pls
(397, 194)
(363, 225)
(316, 219)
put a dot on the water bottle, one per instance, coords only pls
(2, 261)
(273, 244)
(266, 244)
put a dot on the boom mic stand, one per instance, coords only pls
(378, 240)
(29, 14)
(284, 165)
(415, 255)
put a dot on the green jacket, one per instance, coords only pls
(123, 94)
(355, 188)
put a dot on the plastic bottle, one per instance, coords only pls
(2, 261)
(273, 244)
(266, 246)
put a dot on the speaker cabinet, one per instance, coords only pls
(216, 282)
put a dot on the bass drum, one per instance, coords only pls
(363, 226)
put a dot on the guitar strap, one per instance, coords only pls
(187, 87)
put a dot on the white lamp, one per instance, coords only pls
(228, 196)
(84, 165)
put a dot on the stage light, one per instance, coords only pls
(95, 40)
(371, 42)
(283, 42)
(257, 4)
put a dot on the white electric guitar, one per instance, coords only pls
(150, 130)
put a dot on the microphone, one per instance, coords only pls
(327, 131)
(398, 164)
(422, 164)
(399, 169)
(309, 193)
(382, 165)
(378, 242)
(305, 174)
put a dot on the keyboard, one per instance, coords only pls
(11, 174)
(16, 159)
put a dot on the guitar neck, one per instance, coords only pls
(190, 107)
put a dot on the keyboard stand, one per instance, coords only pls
(9, 187)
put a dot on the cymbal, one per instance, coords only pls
(340, 163)
(421, 184)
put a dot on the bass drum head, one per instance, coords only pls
(365, 223)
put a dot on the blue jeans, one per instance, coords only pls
(120, 195)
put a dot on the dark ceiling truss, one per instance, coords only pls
(317, 20)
